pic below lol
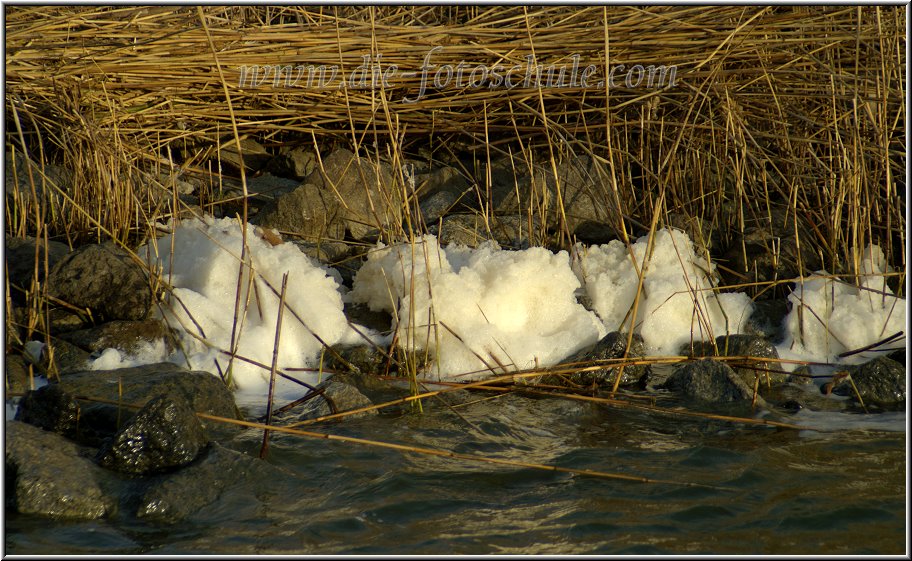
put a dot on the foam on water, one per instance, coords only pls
(477, 311)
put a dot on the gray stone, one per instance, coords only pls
(611, 346)
(343, 395)
(768, 247)
(512, 231)
(293, 161)
(174, 497)
(747, 346)
(53, 409)
(365, 190)
(17, 374)
(165, 434)
(267, 187)
(309, 212)
(21, 263)
(881, 381)
(103, 278)
(62, 357)
(48, 475)
(125, 336)
(137, 385)
(710, 381)
(255, 156)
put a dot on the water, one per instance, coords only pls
(790, 492)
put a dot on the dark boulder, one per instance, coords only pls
(165, 434)
(752, 346)
(54, 409)
(364, 190)
(125, 336)
(309, 212)
(611, 346)
(50, 476)
(21, 257)
(17, 375)
(174, 497)
(131, 386)
(103, 278)
(881, 382)
(709, 381)
(771, 245)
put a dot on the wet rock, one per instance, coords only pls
(137, 385)
(747, 346)
(176, 496)
(53, 409)
(163, 435)
(362, 359)
(21, 266)
(881, 381)
(611, 346)
(125, 336)
(710, 381)
(768, 318)
(103, 278)
(293, 161)
(62, 357)
(310, 212)
(255, 156)
(365, 191)
(17, 374)
(769, 249)
(48, 475)
(338, 394)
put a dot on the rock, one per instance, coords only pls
(611, 346)
(328, 253)
(711, 381)
(62, 357)
(471, 229)
(163, 435)
(343, 395)
(748, 346)
(17, 374)
(768, 318)
(255, 156)
(309, 212)
(699, 230)
(103, 278)
(268, 187)
(125, 336)
(881, 382)
(442, 190)
(21, 266)
(49, 476)
(18, 185)
(137, 385)
(176, 496)
(53, 409)
(586, 198)
(365, 191)
(768, 248)
(293, 161)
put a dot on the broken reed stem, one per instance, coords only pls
(272, 369)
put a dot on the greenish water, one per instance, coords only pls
(842, 491)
